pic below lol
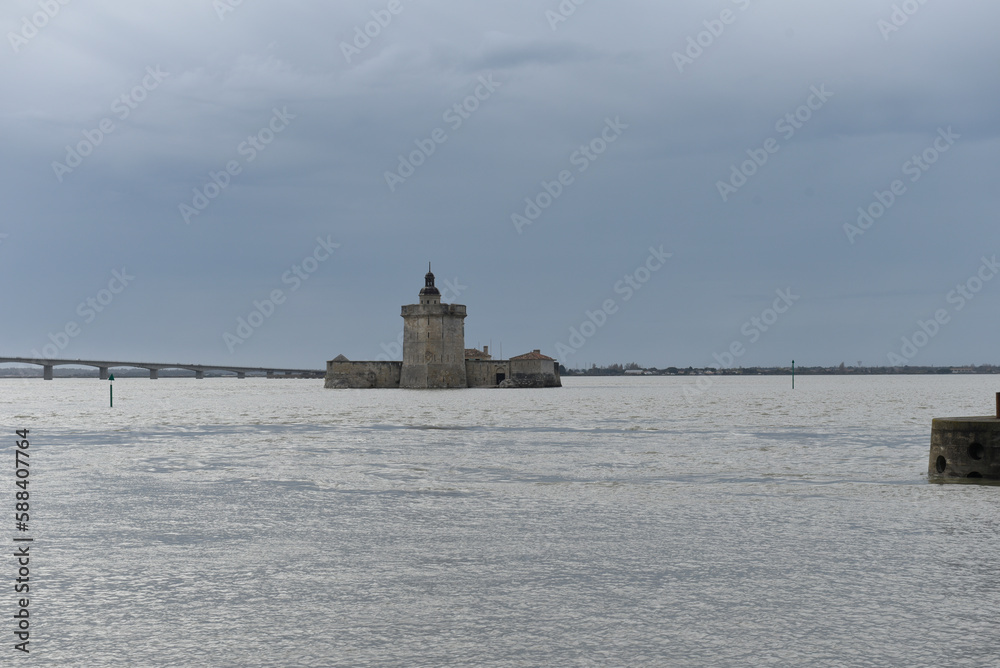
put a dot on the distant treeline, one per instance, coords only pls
(633, 368)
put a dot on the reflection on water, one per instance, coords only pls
(613, 522)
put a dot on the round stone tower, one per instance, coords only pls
(433, 341)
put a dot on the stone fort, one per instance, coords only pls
(435, 356)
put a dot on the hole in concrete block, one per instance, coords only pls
(941, 464)
(976, 451)
(974, 474)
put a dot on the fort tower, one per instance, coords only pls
(433, 341)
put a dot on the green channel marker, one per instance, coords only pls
(111, 389)
(793, 374)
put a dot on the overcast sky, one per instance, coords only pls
(168, 166)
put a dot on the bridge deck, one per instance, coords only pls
(154, 367)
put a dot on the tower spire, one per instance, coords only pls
(429, 292)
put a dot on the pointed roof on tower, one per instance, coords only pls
(429, 288)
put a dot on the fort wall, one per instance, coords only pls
(362, 375)
(534, 373)
(486, 373)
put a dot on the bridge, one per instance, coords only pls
(155, 367)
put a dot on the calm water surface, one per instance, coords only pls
(610, 523)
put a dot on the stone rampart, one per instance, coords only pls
(486, 373)
(534, 373)
(362, 375)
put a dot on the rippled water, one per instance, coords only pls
(612, 522)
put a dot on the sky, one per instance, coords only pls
(693, 183)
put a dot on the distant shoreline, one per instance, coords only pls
(631, 371)
(81, 372)
(613, 370)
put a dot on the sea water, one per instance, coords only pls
(650, 521)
